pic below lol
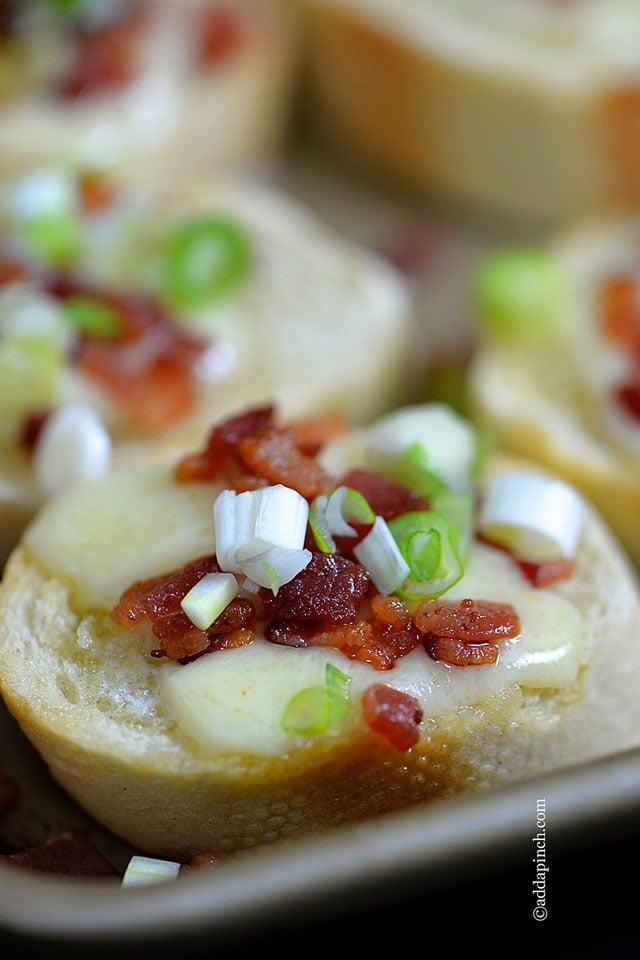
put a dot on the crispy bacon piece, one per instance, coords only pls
(222, 34)
(549, 572)
(105, 57)
(155, 603)
(465, 633)
(147, 367)
(386, 497)
(460, 653)
(274, 455)
(620, 306)
(329, 589)
(392, 714)
(218, 454)
(70, 854)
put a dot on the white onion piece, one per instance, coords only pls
(41, 192)
(447, 439)
(145, 870)
(276, 566)
(380, 554)
(209, 597)
(538, 518)
(73, 445)
(258, 527)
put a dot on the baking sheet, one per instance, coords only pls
(378, 864)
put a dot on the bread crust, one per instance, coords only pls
(405, 95)
(139, 776)
(545, 400)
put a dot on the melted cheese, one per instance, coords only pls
(101, 537)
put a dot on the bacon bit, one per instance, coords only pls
(620, 305)
(222, 34)
(204, 859)
(386, 497)
(105, 57)
(272, 454)
(147, 368)
(628, 396)
(329, 589)
(9, 270)
(458, 652)
(392, 714)
(474, 621)
(313, 433)
(415, 246)
(155, 602)
(215, 458)
(548, 573)
(69, 854)
(96, 192)
(30, 429)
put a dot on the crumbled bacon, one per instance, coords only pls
(218, 454)
(105, 56)
(29, 430)
(222, 33)
(273, 454)
(69, 854)
(392, 714)
(620, 304)
(147, 367)
(465, 633)
(330, 589)
(547, 573)
(155, 603)
(386, 497)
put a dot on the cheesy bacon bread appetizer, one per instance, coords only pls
(520, 108)
(556, 372)
(281, 632)
(164, 89)
(127, 322)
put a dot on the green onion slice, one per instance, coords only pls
(331, 514)
(339, 692)
(308, 711)
(92, 316)
(142, 870)
(520, 292)
(430, 545)
(55, 237)
(206, 257)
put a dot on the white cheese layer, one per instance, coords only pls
(103, 536)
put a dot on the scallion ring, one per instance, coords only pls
(205, 258)
(430, 545)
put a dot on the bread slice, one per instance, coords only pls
(313, 323)
(553, 397)
(512, 109)
(158, 89)
(179, 758)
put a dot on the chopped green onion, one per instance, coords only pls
(380, 554)
(92, 316)
(329, 516)
(30, 367)
(338, 689)
(206, 257)
(308, 711)
(146, 870)
(209, 597)
(430, 546)
(458, 510)
(54, 237)
(520, 292)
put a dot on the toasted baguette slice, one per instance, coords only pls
(167, 90)
(554, 396)
(513, 109)
(181, 757)
(313, 323)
